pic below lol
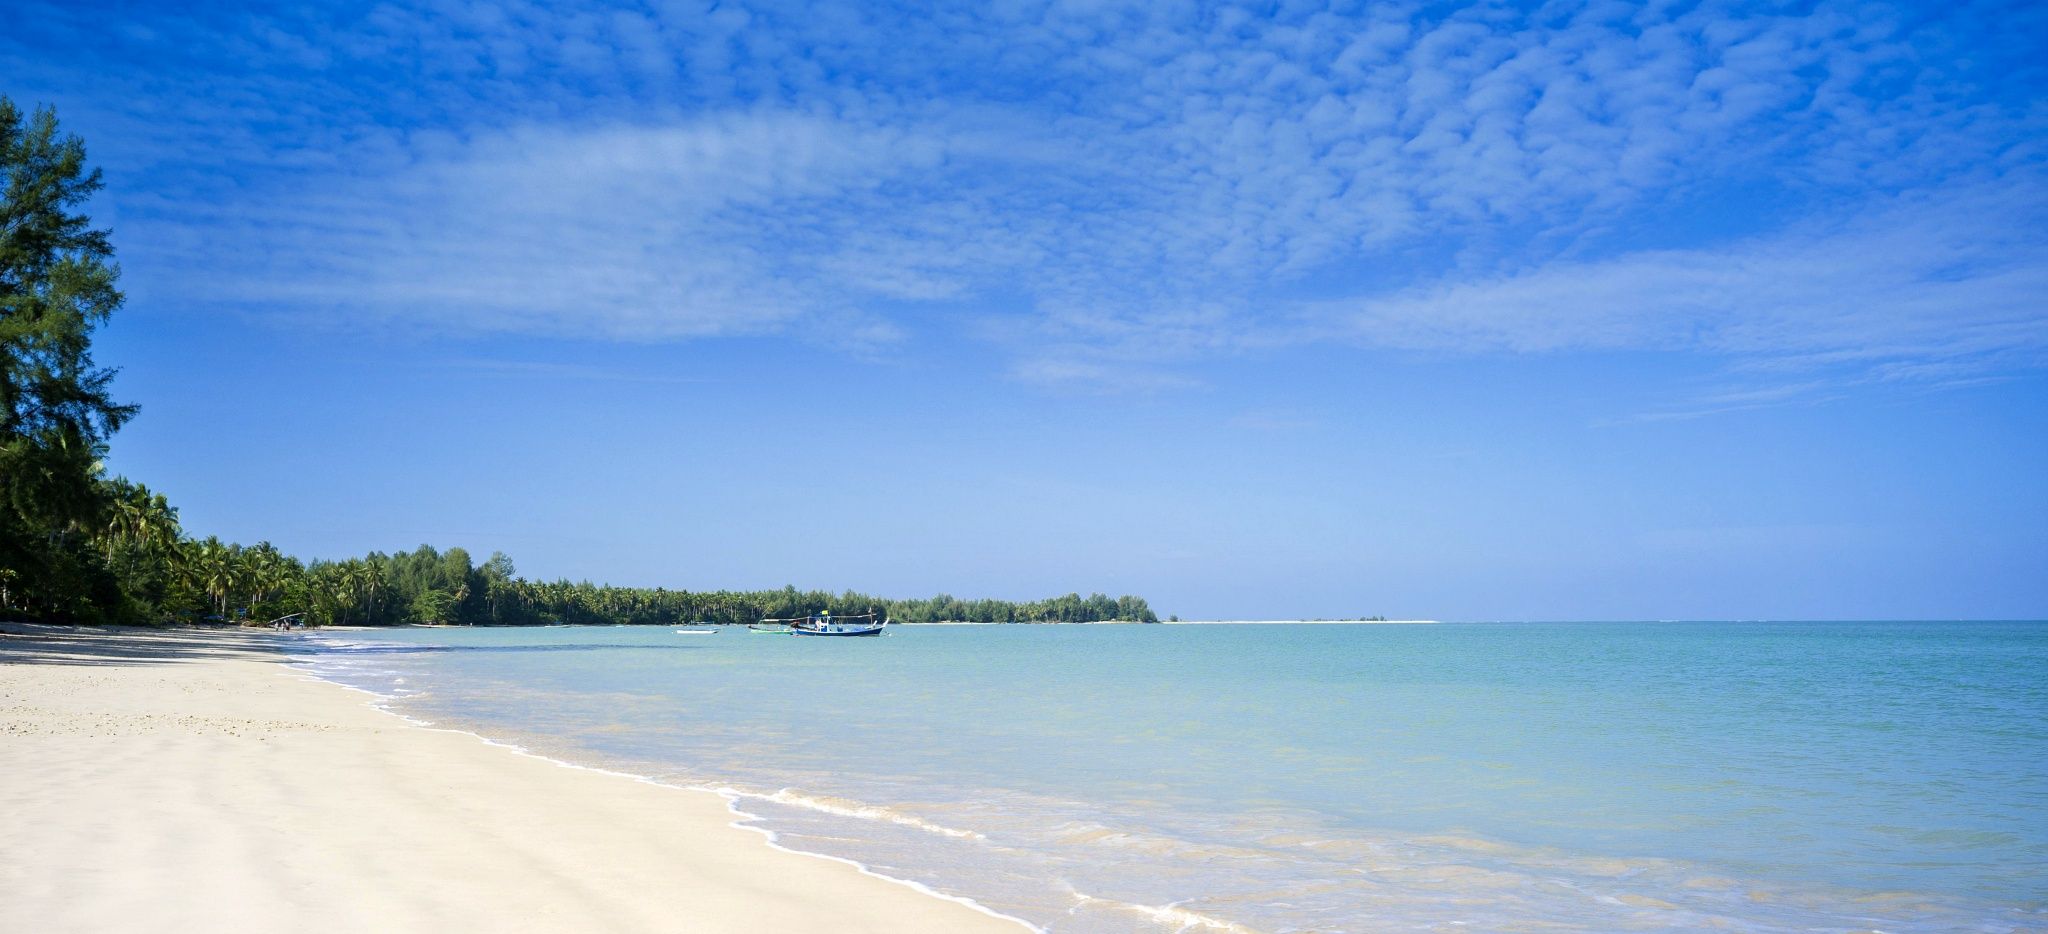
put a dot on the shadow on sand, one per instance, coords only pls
(36, 644)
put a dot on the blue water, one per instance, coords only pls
(1577, 776)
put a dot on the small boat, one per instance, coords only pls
(825, 624)
(696, 632)
(768, 630)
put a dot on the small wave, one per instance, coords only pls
(731, 795)
(844, 808)
(1088, 833)
(1181, 919)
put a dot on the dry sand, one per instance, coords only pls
(188, 781)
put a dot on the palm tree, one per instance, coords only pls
(124, 515)
(347, 584)
(140, 518)
(156, 522)
(373, 579)
(219, 570)
(263, 571)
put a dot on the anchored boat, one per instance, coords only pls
(825, 624)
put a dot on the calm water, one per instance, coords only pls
(1601, 777)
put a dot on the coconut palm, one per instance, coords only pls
(261, 564)
(218, 569)
(138, 519)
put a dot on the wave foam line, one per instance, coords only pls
(750, 821)
(844, 808)
(742, 821)
(1181, 919)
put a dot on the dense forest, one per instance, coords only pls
(159, 575)
(79, 546)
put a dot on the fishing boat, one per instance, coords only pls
(768, 630)
(825, 624)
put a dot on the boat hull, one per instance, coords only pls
(876, 631)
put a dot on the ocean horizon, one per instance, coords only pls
(1757, 776)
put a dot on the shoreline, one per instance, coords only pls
(381, 704)
(198, 780)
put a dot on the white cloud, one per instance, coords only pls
(627, 232)
(1081, 368)
(1926, 276)
(1129, 188)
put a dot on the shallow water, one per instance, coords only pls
(1572, 776)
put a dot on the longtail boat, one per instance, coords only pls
(826, 624)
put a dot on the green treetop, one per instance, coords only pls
(56, 285)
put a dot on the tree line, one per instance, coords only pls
(79, 546)
(150, 572)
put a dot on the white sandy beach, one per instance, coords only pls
(188, 781)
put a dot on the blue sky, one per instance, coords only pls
(1500, 311)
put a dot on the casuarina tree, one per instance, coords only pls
(57, 284)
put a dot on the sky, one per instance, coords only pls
(1422, 310)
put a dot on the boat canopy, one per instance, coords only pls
(820, 617)
(826, 624)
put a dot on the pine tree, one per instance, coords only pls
(57, 281)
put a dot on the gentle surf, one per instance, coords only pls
(1750, 776)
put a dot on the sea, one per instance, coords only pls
(1735, 776)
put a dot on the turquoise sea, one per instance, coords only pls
(1481, 777)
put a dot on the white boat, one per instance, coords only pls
(696, 632)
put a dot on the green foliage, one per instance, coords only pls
(56, 285)
(164, 577)
(430, 587)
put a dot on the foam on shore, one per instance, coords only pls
(382, 703)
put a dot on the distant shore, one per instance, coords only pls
(187, 780)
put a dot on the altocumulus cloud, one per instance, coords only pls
(694, 228)
(1110, 191)
(1926, 275)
